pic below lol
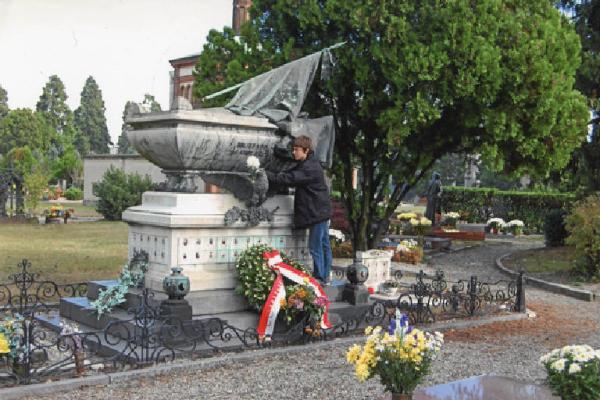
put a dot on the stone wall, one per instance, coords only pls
(94, 167)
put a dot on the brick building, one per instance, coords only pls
(182, 77)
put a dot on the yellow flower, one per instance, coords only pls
(4, 344)
(283, 303)
(362, 372)
(368, 330)
(353, 354)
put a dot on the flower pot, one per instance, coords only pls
(402, 396)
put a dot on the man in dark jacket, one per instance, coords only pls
(312, 207)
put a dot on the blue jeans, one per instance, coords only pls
(320, 250)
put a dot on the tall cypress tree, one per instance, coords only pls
(90, 119)
(53, 105)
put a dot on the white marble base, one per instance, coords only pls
(188, 230)
(379, 263)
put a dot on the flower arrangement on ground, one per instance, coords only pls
(407, 216)
(255, 279)
(495, 224)
(574, 372)
(400, 356)
(303, 299)
(419, 226)
(12, 344)
(58, 211)
(408, 251)
(515, 227)
(450, 219)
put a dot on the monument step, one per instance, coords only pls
(203, 302)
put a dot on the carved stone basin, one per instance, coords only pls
(205, 140)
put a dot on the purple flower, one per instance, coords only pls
(299, 304)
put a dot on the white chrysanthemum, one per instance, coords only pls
(497, 221)
(515, 222)
(452, 214)
(574, 368)
(558, 365)
(252, 162)
(336, 234)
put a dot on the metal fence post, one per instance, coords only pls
(520, 305)
(473, 294)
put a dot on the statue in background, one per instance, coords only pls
(434, 197)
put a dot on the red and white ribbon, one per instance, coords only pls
(266, 324)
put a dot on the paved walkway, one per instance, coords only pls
(321, 372)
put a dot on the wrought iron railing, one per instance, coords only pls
(25, 292)
(146, 336)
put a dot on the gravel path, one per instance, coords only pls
(509, 349)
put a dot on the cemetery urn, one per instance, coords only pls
(176, 285)
(357, 273)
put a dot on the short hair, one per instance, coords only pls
(305, 142)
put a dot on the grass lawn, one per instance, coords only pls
(74, 252)
(551, 262)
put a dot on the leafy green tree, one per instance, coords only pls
(68, 166)
(3, 103)
(35, 183)
(117, 191)
(418, 80)
(583, 172)
(22, 127)
(24, 163)
(90, 119)
(123, 143)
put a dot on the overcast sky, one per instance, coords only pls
(125, 45)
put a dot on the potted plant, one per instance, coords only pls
(495, 224)
(400, 356)
(303, 302)
(408, 251)
(390, 287)
(450, 219)
(515, 227)
(574, 372)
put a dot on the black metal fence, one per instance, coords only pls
(146, 336)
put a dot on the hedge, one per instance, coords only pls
(480, 204)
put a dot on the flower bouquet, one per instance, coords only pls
(574, 372)
(495, 224)
(401, 357)
(408, 251)
(303, 301)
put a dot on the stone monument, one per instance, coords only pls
(205, 233)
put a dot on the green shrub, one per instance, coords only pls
(555, 232)
(480, 204)
(74, 193)
(117, 191)
(583, 225)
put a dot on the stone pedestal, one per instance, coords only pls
(355, 294)
(379, 263)
(188, 230)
